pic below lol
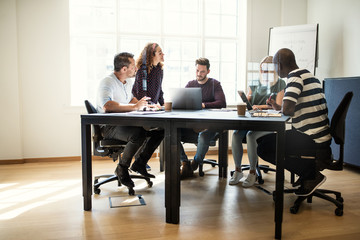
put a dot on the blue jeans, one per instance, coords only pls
(202, 139)
(237, 147)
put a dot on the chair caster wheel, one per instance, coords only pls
(294, 209)
(266, 171)
(150, 184)
(201, 174)
(339, 212)
(96, 181)
(231, 173)
(97, 190)
(213, 165)
(260, 181)
(131, 192)
(340, 199)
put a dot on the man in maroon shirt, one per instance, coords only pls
(212, 97)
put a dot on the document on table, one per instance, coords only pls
(228, 109)
(140, 112)
(266, 113)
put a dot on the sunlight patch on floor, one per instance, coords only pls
(18, 200)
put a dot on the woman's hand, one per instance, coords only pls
(273, 104)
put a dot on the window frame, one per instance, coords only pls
(162, 37)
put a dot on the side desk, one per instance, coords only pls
(171, 122)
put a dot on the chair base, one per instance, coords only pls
(338, 201)
(113, 177)
(206, 161)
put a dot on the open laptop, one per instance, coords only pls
(186, 98)
(245, 100)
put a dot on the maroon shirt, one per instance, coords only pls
(154, 88)
(212, 93)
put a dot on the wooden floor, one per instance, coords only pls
(44, 201)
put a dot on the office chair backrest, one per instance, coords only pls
(89, 107)
(337, 129)
(337, 126)
(97, 131)
(104, 147)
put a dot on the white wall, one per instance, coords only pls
(49, 129)
(10, 125)
(36, 80)
(36, 120)
(264, 14)
(339, 36)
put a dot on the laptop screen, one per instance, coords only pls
(186, 98)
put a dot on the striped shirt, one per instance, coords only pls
(310, 116)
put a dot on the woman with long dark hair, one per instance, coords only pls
(150, 73)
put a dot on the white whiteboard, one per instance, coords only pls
(301, 39)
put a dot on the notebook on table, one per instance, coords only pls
(186, 98)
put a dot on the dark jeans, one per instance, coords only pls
(139, 141)
(296, 144)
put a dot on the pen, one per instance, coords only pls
(272, 96)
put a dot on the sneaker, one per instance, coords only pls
(123, 175)
(148, 168)
(186, 170)
(249, 181)
(141, 169)
(194, 164)
(309, 186)
(236, 177)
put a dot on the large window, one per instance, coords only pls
(185, 29)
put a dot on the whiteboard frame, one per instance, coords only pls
(305, 59)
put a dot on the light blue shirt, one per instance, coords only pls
(111, 89)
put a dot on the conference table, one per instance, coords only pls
(172, 122)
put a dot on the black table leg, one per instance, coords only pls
(172, 173)
(86, 165)
(223, 153)
(162, 156)
(279, 189)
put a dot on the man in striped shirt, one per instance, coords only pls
(305, 102)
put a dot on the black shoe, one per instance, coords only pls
(186, 170)
(136, 167)
(194, 165)
(298, 182)
(309, 186)
(123, 175)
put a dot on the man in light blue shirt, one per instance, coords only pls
(114, 95)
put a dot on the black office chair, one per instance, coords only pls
(337, 130)
(108, 148)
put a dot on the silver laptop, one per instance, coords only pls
(186, 98)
